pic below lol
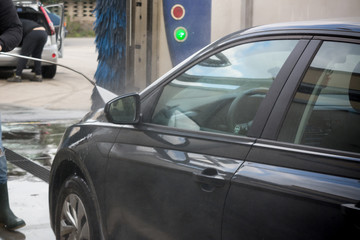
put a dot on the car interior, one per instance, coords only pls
(326, 107)
(214, 109)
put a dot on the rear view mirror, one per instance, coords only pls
(124, 109)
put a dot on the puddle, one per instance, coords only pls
(36, 141)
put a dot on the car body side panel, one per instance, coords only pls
(85, 148)
(161, 172)
(291, 204)
(93, 146)
(48, 51)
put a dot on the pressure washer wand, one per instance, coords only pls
(105, 94)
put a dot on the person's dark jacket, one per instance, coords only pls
(10, 26)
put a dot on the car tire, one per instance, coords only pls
(4, 74)
(48, 71)
(75, 216)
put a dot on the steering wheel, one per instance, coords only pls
(243, 109)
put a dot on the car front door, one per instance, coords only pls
(301, 179)
(168, 177)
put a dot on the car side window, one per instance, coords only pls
(325, 111)
(223, 92)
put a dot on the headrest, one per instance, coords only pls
(354, 88)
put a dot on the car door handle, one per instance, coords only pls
(209, 176)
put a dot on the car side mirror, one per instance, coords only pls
(124, 109)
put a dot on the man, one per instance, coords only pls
(34, 39)
(10, 37)
(10, 26)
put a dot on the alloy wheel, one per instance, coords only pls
(74, 222)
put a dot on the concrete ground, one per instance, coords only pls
(65, 97)
(29, 201)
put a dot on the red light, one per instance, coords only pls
(177, 12)
(53, 55)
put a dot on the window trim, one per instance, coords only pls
(282, 105)
(307, 158)
(268, 103)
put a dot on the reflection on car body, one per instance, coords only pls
(253, 137)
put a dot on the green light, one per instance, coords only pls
(180, 34)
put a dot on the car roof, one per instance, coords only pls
(324, 27)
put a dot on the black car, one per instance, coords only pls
(256, 136)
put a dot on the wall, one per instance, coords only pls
(80, 11)
(273, 11)
(233, 15)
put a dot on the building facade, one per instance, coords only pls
(80, 11)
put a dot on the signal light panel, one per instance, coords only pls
(178, 13)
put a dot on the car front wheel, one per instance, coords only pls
(75, 211)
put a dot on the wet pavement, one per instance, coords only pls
(29, 200)
(34, 116)
(37, 141)
(29, 194)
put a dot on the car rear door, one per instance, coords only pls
(301, 178)
(168, 177)
(56, 15)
